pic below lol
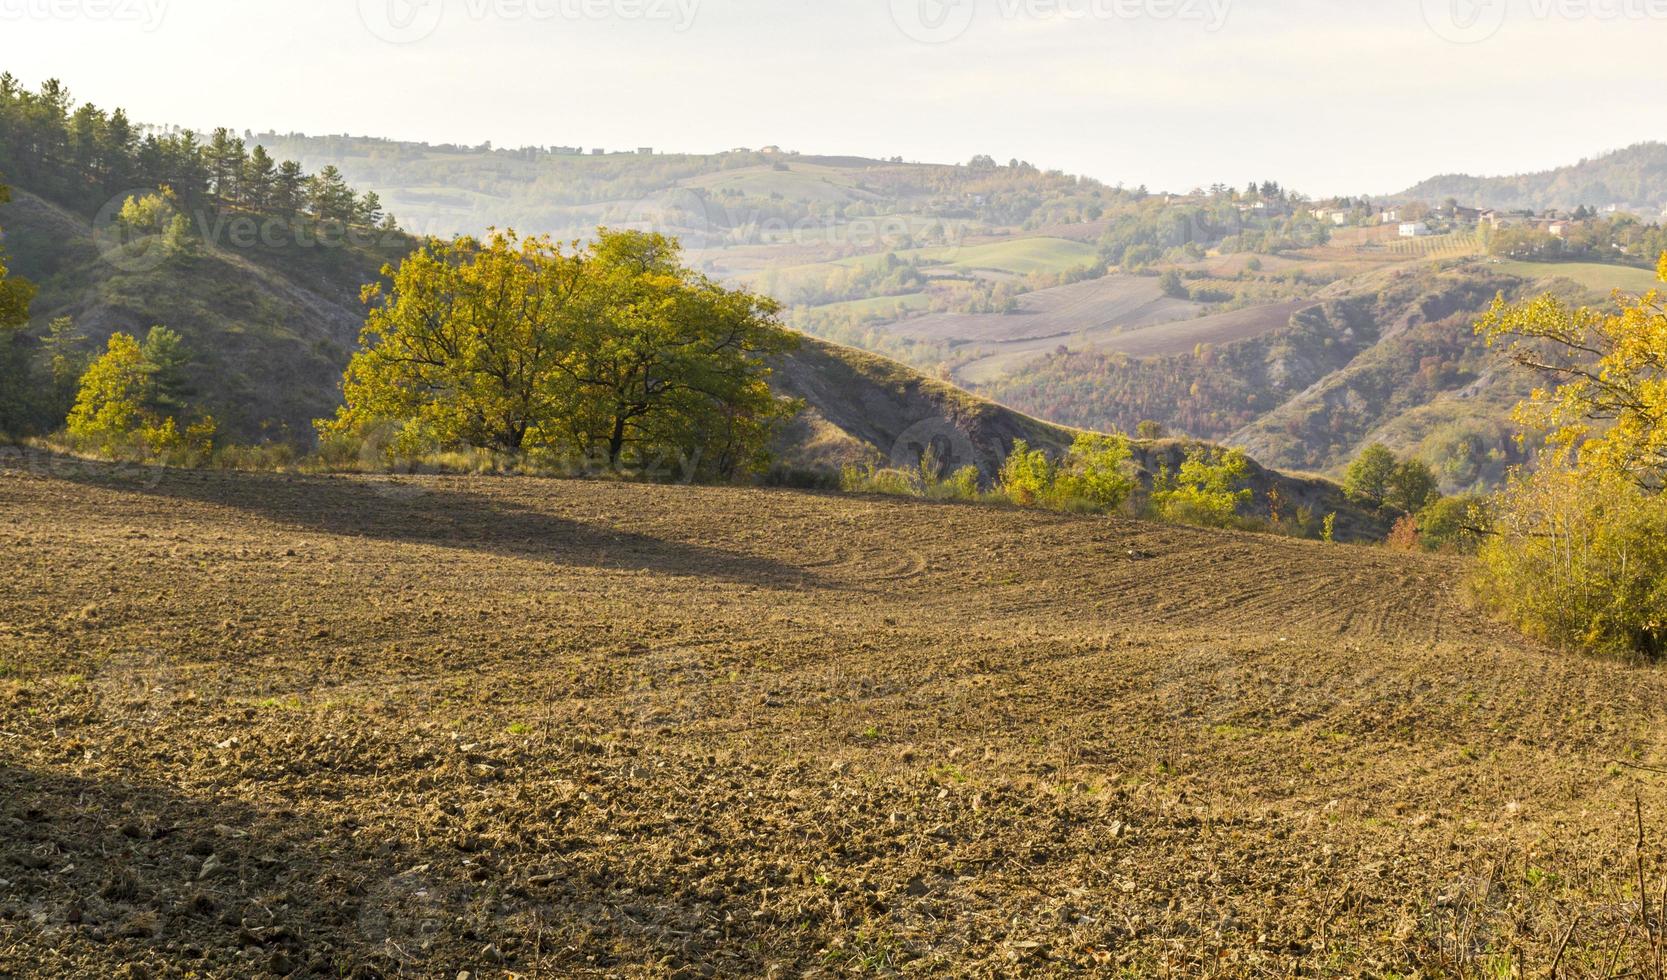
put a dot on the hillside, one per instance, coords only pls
(1424, 351)
(272, 331)
(864, 409)
(1634, 178)
(419, 726)
(272, 328)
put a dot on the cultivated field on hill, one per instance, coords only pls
(1143, 340)
(1112, 302)
(415, 726)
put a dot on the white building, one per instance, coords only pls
(1414, 229)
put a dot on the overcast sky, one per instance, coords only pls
(1328, 96)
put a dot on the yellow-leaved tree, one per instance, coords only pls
(131, 400)
(613, 352)
(1580, 553)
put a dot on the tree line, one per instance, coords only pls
(84, 158)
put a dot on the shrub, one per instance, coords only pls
(1580, 560)
(1095, 473)
(1207, 490)
(926, 480)
(959, 485)
(1403, 536)
(1094, 477)
(123, 406)
(1368, 477)
(1412, 486)
(109, 408)
(1452, 524)
(1027, 476)
(1579, 554)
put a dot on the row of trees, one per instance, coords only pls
(83, 158)
(1623, 239)
(1095, 475)
(612, 352)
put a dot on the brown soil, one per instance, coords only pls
(349, 726)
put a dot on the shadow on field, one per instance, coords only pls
(96, 874)
(424, 514)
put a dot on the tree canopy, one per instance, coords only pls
(612, 352)
(1580, 554)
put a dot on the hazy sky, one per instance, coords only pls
(1329, 97)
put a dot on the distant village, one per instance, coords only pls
(1418, 220)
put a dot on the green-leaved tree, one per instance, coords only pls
(615, 352)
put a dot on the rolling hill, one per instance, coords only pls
(273, 330)
(1634, 178)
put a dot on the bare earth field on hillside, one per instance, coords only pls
(281, 725)
(1151, 340)
(1110, 302)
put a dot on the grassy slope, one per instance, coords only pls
(1593, 276)
(272, 331)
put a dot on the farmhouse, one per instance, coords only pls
(1414, 229)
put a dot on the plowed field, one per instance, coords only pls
(268, 725)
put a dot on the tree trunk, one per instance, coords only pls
(616, 442)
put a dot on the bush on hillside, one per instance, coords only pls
(1580, 551)
(131, 399)
(927, 480)
(1453, 524)
(1207, 491)
(1581, 561)
(1094, 476)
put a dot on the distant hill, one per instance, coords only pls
(1634, 178)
